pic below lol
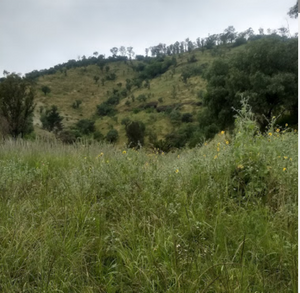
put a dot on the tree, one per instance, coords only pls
(105, 110)
(130, 52)
(51, 119)
(122, 50)
(114, 51)
(112, 136)
(230, 33)
(293, 12)
(46, 90)
(266, 72)
(187, 117)
(126, 121)
(96, 78)
(17, 104)
(85, 126)
(135, 132)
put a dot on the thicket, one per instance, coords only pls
(266, 72)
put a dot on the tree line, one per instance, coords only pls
(229, 37)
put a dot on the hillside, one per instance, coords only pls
(167, 89)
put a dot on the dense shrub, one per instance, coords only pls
(105, 110)
(135, 132)
(85, 126)
(112, 136)
(51, 119)
(187, 117)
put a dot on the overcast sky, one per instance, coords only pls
(38, 34)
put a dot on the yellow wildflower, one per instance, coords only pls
(218, 149)
(162, 153)
(285, 157)
(270, 134)
(240, 167)
(227, 142)
(277, 130)
(215, 157)
(291, 159)
(286, 125)
(124, 152)
(223, 132)
(178, 156)
(284, 169)
(176, 171)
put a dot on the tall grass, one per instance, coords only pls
(94, 218)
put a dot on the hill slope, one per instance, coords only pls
(179, 87)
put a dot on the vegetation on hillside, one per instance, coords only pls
(183, 94)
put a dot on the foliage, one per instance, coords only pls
(113, 100)
(135, 132)
(16, 105)
(293, 12)
(96, 78)
(45, 89)
(51, 119)
(85, 126)
(67, 136)
(187, 117)
(175, 117)
(98, 136)
(155, 68)
(76, 104)
(180, 137)
(112, 136)
(141, 98)
(195, 70)
(266, 72)
(105, 109)
(111, 76)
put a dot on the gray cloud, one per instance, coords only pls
(37, 34)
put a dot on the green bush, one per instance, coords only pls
(112, 136)
(51, 119)
(76, 104)
(105, 109)
(85, 126)
(187, 117)
(135, 132)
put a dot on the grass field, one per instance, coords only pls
(96, 218)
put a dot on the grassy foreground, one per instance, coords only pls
(220, 218)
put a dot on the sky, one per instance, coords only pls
(39, 34)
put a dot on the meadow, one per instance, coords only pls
(221, 217)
